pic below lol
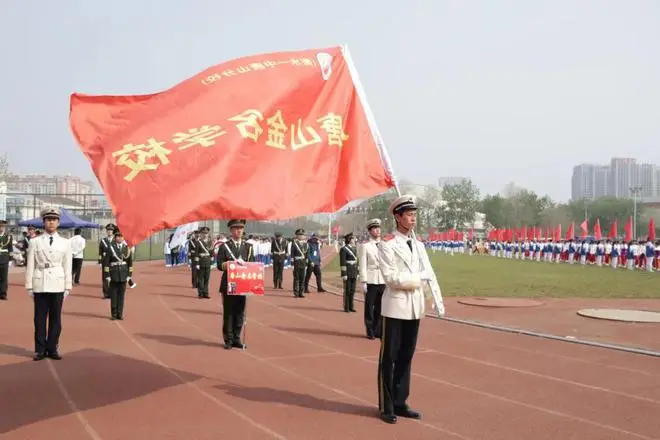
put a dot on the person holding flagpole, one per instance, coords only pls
(409, 278)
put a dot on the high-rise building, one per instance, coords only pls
(623, 175)
(591, 181)
(583, 182)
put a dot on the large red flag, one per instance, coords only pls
(269, 136)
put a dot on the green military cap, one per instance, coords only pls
(236, 223)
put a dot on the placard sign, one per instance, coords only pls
(245, 279)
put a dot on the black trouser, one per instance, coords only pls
(278, 271)
(4, 279)
(117, 294)
(349, 294)
(104, 283)
(76, 268)
(233, 316)
(47, 321)
(372, 301)
(203, 276)
(398, 342)
(299, 270)
(316, 270)
(193, 271)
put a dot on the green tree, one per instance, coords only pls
(497, 210)
(460, 205)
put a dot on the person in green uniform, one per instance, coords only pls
(202, 247)
(6, 249)
(234, 250)
(118, 269)
(300, 260)
(191, 257)
(348, 263)
(104, 246)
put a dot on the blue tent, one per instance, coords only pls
(67, 221)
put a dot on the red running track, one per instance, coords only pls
(309, 372)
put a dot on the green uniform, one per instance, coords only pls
(233, 306)
(118, 268)
(300, 260)
(6, 249)
(104, 246)
(202, 248)
(348, 263)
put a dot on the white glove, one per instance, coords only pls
(30, 293)
(364, 287)
(424, 276)
(344, 278)
(197, 266)
(108, 279)
(441, 311)
(240, 261)
(66, 293)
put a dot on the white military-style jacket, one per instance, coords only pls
(370, 263)
(48, 268)
(407, 274)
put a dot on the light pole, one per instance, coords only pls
(635, 190)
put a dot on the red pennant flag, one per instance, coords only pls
(470, 234)
(613, 230)
(558, 233)
(652, 229)
(597, 233)
(629, 229)
(269, 136)
(585, 228)
(570, 234)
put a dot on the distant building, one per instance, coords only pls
(590, 181)
(40, 184)
(442, 181)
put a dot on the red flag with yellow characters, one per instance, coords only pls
(269, 136)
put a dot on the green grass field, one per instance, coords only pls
(143, 251)
(462, 275)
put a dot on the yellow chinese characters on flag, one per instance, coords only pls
(269, 136)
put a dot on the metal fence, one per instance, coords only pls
(94, 208)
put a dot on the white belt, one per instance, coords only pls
(205, 255)
(44, 266)
(4, 250)
(117, 263)
(279, 253)
(298, 258)
(351, 262)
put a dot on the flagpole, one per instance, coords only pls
(371, 120)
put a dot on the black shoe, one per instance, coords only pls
(120, 317)
(113, 318)
(3, 297)
(39, 357)
(370, 337)
(388, 418)
(306, 291)
(227, 346)
(407, 413)
(54, 355)
(239, 344)
(321, 290)
(353, 310)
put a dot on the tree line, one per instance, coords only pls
(454, 206)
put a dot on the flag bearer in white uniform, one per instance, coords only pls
(408, 273)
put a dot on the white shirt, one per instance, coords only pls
(77, 246)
